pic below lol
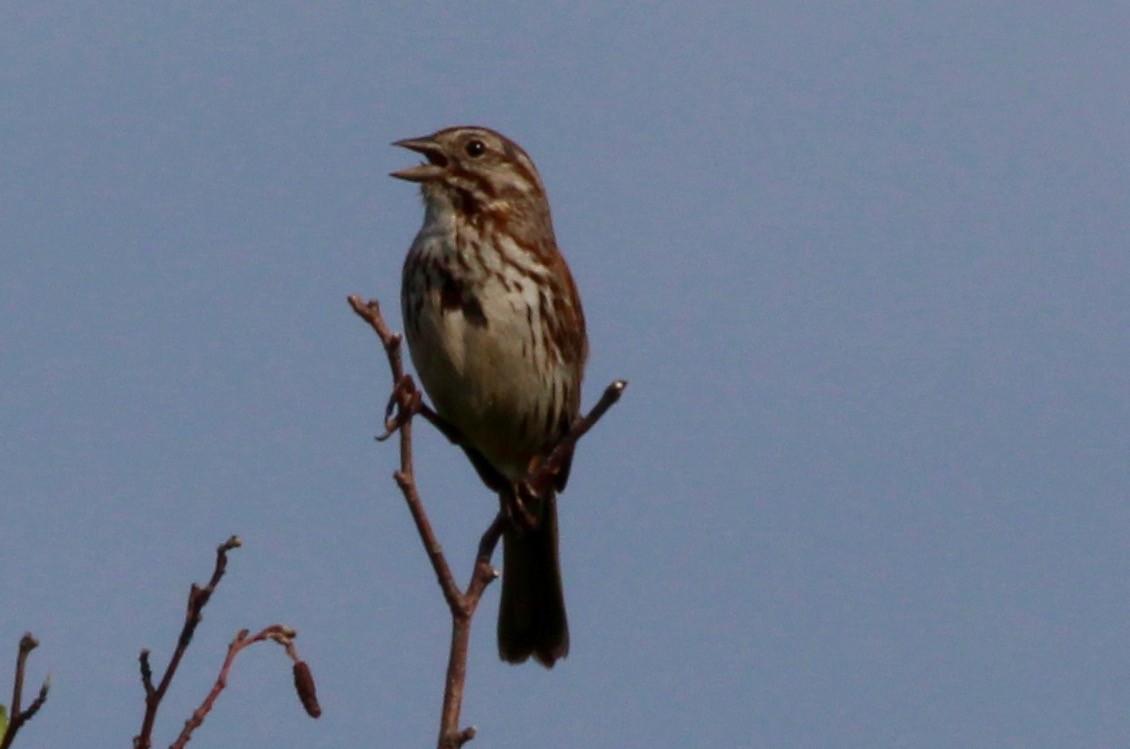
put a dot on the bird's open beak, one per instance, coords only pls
(431, 151)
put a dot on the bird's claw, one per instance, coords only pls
(404, 402)
(517, 504)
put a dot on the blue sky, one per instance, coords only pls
(865, 267)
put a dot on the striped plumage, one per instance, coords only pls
(497, 335)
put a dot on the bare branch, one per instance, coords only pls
(282, 635)
(405, 402)
(197, 599)
(20, 716)
(546, 472)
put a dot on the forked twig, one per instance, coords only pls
(198, 598)
(19, 715)
(406, 401)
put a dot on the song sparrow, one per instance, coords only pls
(497, 335)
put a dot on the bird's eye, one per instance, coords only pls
(475, 148)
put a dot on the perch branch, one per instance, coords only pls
(407, 401)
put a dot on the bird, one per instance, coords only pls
(496, 333)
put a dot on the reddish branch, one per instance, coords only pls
(198, 598)
(19, 715)
(406, 401)
(303, 682)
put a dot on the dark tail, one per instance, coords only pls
(531, 617)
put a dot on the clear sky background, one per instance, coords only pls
(865, 266)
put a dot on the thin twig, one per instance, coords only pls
(405, 402)
(548, 468)
(197, 599)
(277, 632)
(19, 716)
(408, 402)
(481, 576)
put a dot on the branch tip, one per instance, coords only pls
(28, 643)
(18, 715)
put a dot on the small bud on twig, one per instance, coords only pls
(306, 689)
